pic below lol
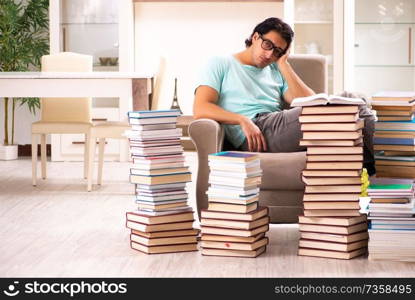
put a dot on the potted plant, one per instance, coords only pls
(24, 38)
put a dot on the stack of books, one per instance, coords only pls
(332, 225)
(163, 221)
(234, 224)
(394, 138)
(391, 219)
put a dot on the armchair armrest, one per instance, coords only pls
(207, 135)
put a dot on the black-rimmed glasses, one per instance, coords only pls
(268, 45)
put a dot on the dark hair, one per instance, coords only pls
(273, 24)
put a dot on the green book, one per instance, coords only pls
(390, 186)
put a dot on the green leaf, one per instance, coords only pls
(32, 103)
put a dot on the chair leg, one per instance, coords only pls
(34, 159)
(86, 156)
(91, 154)
(43, 154)
(101, 159)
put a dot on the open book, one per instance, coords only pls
(324, 99)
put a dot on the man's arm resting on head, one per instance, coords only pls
(296, 87)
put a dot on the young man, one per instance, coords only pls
(245, 91)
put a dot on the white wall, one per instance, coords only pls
(175, 39)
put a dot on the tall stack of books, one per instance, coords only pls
(394, 138)
(391, 219)
(163, 221)
(332, 225)
(234, 224)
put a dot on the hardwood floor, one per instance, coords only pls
(57, 229)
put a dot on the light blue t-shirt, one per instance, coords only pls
(243, 89)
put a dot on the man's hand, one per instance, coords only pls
(284, 59)
(254, 137)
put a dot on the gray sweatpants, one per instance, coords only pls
(282, 133)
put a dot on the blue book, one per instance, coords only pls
(233, 156)
(154, 113)
(393, 141)
(381, 156)
(407, 122)
(397, 229)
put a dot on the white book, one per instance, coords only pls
(324, 99)
(160, 132)
(235, 175)
(236, 184)
(235, 169)
(153, 187)
(166, 192)
(234, 192)
(393, 227)
(153, 126)
(144, 155)
(143, 145)
(161, 159)
(160, 202)
(408, 195)
(134, 171)
(145, 121)
(162, 198)
(384, 180)
(134, 136)
(231, 196)
(158, 166)
(166, 210)
(156, 150)
(163, 213)
(241, 189)
(391, 103)
(391, 214)
(392, 210)
(235, 181)
(155, 140)
(409, 205)
(138, 137)
(234, 165)
(154, 113)
(386, 219)
(396, 221)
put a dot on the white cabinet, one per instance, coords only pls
(318, 29)
(369, 44)
(376, 44)
(383, 45)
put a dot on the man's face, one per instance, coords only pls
(271, 41)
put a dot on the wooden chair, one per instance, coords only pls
(72, 115)
(62, 115)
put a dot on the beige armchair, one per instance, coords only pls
(281, 189)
